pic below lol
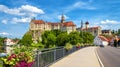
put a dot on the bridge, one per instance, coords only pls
(59, 57)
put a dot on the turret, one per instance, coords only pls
(62, 19)
(87, 24)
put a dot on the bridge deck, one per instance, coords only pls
(85, 57)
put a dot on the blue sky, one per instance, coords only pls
(15, 15)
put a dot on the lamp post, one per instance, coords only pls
(82, 30)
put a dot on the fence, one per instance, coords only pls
(48, 56)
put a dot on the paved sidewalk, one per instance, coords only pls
(85, 57)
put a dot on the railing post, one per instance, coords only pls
(55, 55)
(38, 58)
(63, 52)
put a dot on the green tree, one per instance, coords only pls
(48, 39)
(26, 39)
(88, 37)
(38, 45)
(56, 32)
(62, 39)
(2, 40)
(118, 32)
(74, 38)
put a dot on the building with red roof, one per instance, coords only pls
(39, 26)
(93, 30)
(101, 40)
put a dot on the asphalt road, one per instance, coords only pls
(110, 56)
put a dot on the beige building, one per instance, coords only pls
(106, 32)
(39, 26)
(93, 30)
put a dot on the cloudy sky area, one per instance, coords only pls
(15, 15)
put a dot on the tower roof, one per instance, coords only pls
(86, 22)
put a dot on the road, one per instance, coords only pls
(110, 56)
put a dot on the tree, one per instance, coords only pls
(38, 45)
(87, 37)
(26, 39)
(74, 38)
(48, 39)
(56, 32)
(2, 40)
(62, 39)
(118, 32)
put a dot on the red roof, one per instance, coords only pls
(91, 28)
(109, 39)
(38, 21)
(70, 23)
(103, 38)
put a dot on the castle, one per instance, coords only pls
(39, 26)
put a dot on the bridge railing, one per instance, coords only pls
(46, 57)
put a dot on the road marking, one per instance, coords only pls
(101, 64)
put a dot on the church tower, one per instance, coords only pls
(62, 19)
(87, 25)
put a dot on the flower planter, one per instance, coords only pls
(77, 46)
(24, 64)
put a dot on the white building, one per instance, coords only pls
(101, 40)
(8, 43)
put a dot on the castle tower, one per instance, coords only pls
(87, 25)
(62, 19)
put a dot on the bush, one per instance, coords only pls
(78, 45)
(21, 57)
(68, 46)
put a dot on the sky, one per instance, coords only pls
(15, 15)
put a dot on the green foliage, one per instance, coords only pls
(68, 46)
(118, 33)
(56, 32)
(26, 39)
(38, 45)
(86, 37)
(2, 40)
(19, 54)
(78, 44)
(62, 39)
(52, 46)
(48, 39)
(74, 38)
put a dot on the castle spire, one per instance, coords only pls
(62, 18)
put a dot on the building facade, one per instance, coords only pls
(95, 31)
(8, 43)
(39, 26)
(106, 32)
(101, 40)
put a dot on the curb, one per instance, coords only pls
(101, 64)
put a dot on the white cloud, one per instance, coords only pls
(31, 9)
(7, 10)
(59, 16)
(4, 21)
(109, 22)
(83, 5)
(5, 34)
(80, 5)
(21, 20)
(24, 10)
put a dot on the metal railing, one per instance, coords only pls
(46, 57)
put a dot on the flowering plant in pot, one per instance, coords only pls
(78, 45)
(22, 57)
(68, 46)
